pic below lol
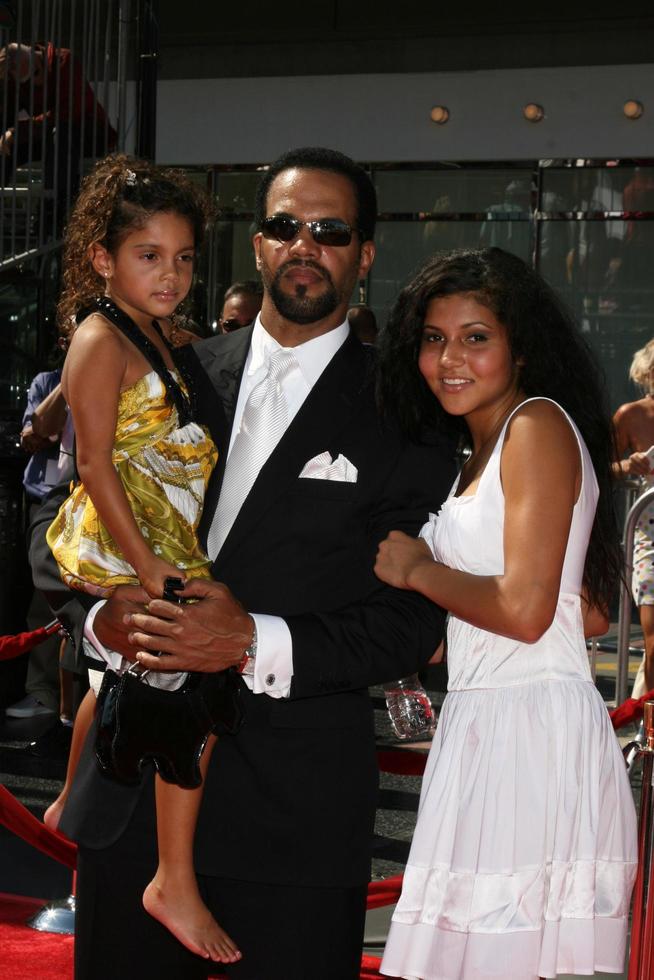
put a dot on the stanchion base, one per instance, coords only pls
(56, 917)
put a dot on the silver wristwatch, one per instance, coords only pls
(249, 656)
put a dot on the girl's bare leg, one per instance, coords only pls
(83, 721)
(172, 897)
(66, 689)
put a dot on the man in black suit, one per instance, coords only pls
(284, 838)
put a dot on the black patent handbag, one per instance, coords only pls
(138, 722)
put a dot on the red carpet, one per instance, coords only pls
(26, 954)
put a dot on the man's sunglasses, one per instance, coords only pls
(325, 231)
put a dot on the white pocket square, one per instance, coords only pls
(323, 467)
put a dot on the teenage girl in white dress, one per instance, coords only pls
(524, 853)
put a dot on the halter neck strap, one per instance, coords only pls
(124, 322)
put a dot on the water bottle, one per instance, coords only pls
(409, 708)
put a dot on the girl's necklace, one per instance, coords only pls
(184, 401)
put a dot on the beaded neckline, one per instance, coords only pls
(185, 404)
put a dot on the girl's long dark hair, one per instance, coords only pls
(120, 194)
(556, 362)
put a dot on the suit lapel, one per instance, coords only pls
(326, 411)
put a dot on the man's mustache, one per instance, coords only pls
(304, 264)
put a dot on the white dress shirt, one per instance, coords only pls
(273, 665)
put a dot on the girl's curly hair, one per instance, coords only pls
(556, 362)
(119, 195)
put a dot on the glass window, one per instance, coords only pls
(601, 267)
(402, 247)
(231, 260)
(454, 191)
(598, 189)
(235, 191)
(603, 270)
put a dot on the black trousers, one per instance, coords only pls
(290, 933)
(284, 933)
(115, 938)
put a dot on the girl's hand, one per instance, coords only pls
(153, 573)
(398, 556)
(636, 465)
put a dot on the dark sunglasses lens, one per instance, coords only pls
(280, 228)
(335, 233)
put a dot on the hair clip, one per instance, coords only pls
(130, 178)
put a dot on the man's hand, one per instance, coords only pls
(109, 625)
(31, 442)
(6, 142)
(637, 464)
(208, 635)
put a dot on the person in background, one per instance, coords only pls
(364, 324)
(52, 115)
(44, 420)
(241, 304)
(634, 435)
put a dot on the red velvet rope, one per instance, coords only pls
(401, 762)
(14, 646)
(370, 968)
(21, 822)
(630, 710)
(384, 892)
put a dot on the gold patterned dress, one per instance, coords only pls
(164, 469)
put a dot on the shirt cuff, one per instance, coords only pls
(273, 664)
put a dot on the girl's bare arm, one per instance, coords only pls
(540, 472)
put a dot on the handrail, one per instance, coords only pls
(624, 616)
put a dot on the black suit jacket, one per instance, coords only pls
(292, 797)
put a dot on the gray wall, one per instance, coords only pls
(385, 117)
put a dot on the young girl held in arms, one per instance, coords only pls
(524, 852)
(143, 462)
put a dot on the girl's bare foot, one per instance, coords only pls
(182, 911)
(52, 815)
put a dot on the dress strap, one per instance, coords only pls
(183, 402)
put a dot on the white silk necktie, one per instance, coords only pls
(265, 418)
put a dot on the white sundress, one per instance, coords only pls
(524, 853)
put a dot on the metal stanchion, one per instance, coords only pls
(641, 957)
(593, 659)
(624, 621)
(56, 917)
